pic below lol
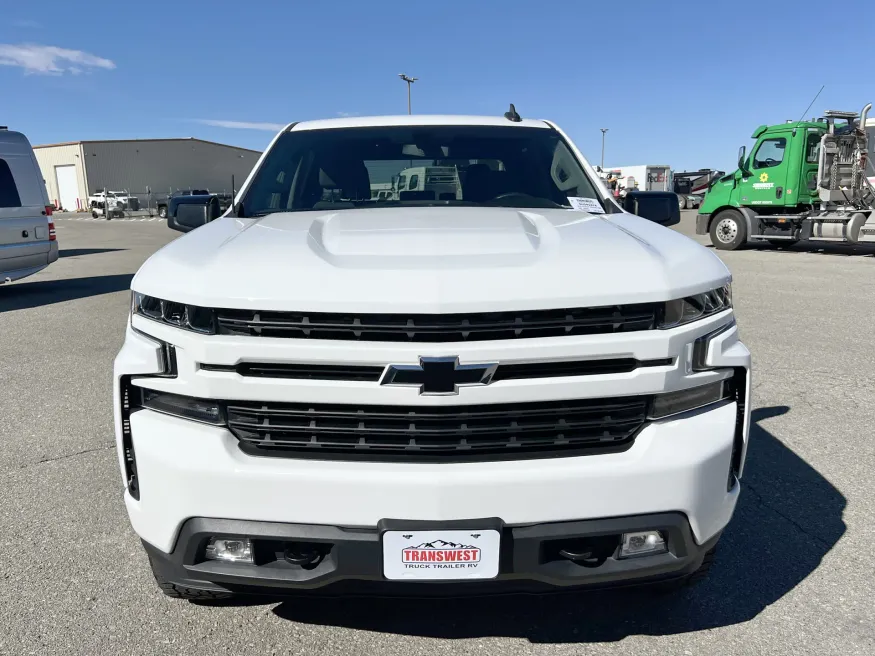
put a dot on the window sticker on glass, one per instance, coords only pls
(590, 205)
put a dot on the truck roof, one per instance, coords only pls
(416, 119)
(820, 125)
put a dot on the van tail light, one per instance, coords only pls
(52, 235)
(49, 210)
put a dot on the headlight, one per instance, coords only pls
(684, 310)
(665, 405)
(189, 317)
(187, 407)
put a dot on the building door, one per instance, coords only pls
(68, 187)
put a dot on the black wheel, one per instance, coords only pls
(93, 214)
(179, 592)
(162, 212)
(675, 585)
(728, 230)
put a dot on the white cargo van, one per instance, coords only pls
(27, 233)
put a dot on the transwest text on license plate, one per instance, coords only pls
(440, 555)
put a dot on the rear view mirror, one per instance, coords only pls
(192, 212)
(661, 207)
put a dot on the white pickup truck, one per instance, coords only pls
(515, 385)
(111, 203)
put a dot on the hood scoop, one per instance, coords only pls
(423, 238)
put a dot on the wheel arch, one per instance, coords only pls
(750, 217)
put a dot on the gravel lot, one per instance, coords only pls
(794, 574)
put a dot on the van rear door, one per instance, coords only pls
(658, 178)
(24, 225)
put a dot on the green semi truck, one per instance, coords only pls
(803, 181)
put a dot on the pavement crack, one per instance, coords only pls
(69, 455)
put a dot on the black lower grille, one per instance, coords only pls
(440, 327)
(440, 433)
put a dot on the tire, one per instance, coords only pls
(728, 230)
(684, 582)
(180, 592)
(682, 202)
(162, 211)
(94, 214)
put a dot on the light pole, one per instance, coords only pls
(409, 80)
(604, 131)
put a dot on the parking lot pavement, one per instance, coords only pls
(141, 216)
(794, 574)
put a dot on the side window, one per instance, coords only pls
(8, 191)
(870, 164)
(812, 147)
(414, 181)
(770, 153)
(402, 182)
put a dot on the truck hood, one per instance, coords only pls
(429, 260)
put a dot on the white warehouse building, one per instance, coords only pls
(141, 167)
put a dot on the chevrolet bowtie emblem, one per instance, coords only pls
(438, 376)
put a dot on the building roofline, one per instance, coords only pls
(90, 141)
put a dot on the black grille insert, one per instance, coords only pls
(440, 327)
(300, 371)
(441, 433)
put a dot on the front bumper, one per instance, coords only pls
(529, 560)
(190, 470)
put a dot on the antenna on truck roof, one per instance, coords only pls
(811, 103)
(511, 115)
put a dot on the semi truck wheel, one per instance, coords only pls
(162, 211)
(682, 202)
(728, 230)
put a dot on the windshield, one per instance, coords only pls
(417, 166)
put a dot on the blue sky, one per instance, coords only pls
(676, 82)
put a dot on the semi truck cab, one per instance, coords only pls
(787, 190)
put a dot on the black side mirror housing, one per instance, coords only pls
(742, 164)
(189, 212)
(661, 207)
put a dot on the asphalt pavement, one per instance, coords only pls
(795, 572)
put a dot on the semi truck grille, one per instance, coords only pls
(438, 433)
(439, 327)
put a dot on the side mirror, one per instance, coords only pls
(189, 212)
(742, 156)
(662, 207)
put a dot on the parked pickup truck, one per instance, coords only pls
(167, 206)
(164, 203)
(109, 203)
(513, 385)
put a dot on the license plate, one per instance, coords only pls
(440, 555)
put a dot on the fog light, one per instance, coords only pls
(230, 550)
(643, 543)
